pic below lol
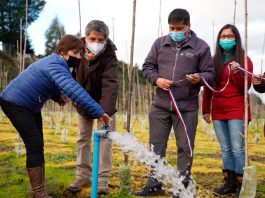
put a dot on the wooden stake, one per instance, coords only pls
(130, 76)
(234, 18)
(213, 37)
(20, 46)
(80, 30)
(246, 85)
(113, 29)
(123, 88)
(159, 32)
(25, 39)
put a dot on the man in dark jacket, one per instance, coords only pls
(176, 63)
(98, 75)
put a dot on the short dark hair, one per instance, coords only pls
(98, 26)
(69, 42)
(179, 15)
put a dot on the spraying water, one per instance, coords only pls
(164, 172)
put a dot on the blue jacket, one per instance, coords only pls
(46, 79)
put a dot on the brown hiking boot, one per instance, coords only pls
(31, 194)
(78, 184)
(36, 179)
(103, 188)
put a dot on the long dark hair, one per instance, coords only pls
(218, 58)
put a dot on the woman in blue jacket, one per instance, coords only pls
(23, 98)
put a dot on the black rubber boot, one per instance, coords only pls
(229, 187)
(239, 180)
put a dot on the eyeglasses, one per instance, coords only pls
(229, 36)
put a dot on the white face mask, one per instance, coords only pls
(95, 48)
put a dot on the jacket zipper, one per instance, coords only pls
(173, 75)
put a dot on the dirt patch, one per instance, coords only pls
(208, 155)
(257, 159)
(69, 167)
(4, 148)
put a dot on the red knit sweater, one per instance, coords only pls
(229, 104)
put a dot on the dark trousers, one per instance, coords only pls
(161, 122)
(29, 127)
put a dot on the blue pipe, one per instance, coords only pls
(97, 136)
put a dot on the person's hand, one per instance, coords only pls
(105, 119)
(90, 56)
(63, 100)
(164, 83)
(193, 78)
(256, 80)
(207, 118)
(234, 67)
(74, 104)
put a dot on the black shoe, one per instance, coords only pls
(225, 191)
(150, 191)
(176, 196)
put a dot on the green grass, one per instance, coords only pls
(60, 161)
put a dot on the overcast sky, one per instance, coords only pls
(117, 14)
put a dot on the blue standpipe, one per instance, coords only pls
(97, 136)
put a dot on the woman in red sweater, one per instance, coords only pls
(227, 107)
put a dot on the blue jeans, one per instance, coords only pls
(230, 134)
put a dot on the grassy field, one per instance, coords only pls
(60, 154)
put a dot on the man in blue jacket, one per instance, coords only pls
(176, 63)
(23, 98)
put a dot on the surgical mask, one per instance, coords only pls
(95, 48)
(177, 36)
(227, 44)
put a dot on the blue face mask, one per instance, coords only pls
(177, 36)
(227, 44)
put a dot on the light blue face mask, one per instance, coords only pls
(177, 36)
(227, 44)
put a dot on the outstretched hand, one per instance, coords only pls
(105, 119)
